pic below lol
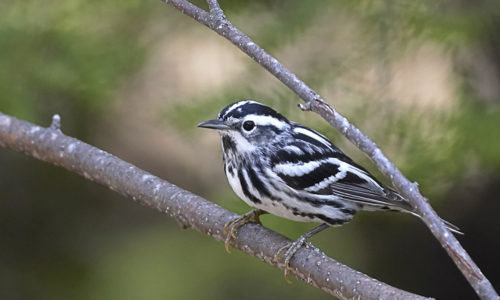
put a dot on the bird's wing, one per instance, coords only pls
(313, 164)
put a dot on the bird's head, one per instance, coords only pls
(246, 125)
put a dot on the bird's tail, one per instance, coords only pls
(403, 205)
(452, 227)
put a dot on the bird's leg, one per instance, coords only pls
(291, 248)
(232, 226)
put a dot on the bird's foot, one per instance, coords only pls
(289, 250)
(232, 226)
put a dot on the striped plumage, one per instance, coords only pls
(289, 170)
(294, 172)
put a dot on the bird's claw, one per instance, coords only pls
(232, 226)
(291, 249)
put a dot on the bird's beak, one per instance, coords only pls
(214, 124)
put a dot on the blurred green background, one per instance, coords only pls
(421, 78)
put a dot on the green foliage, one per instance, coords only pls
(67, 54)
(185, 115)
(477, 126)
(153, 263)
(449, 23)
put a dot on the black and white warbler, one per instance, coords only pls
(286, 169)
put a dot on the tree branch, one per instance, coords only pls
(191, 211)
(214, 7)
(314, 102)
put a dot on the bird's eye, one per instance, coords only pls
(248, 125)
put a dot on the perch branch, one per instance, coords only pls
(314, 102)
(191, 211)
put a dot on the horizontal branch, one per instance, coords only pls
(309, 264)
(216, 20)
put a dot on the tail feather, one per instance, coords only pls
(403, 205)
(452, 227)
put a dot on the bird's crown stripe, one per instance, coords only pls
(313, 135)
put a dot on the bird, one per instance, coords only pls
(286, 169)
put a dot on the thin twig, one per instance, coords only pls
(191, 211)
(314, 102)
(214, 7)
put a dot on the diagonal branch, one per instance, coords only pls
(314, 102)
(214, 7)
(191, 211)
